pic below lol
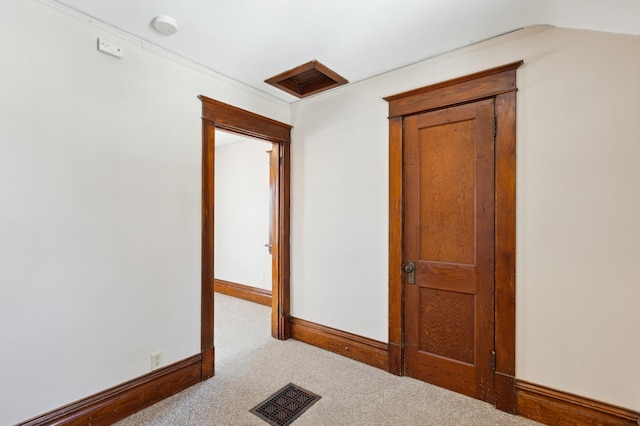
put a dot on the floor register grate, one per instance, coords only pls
(286, 405)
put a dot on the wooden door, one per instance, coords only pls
(449, 236)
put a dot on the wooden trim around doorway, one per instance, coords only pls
(206, 296)
(218, 115)
(498, 83)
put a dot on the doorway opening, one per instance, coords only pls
(243, 215)
(221, 116)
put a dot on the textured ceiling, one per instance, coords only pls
(252, 40)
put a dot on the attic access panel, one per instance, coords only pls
(307, 79)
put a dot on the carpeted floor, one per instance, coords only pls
(250, 366)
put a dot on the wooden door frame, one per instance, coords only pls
(500, 84)
(218, 115)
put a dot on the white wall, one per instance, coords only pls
(242, 214)
(578, 182)
(100, 206)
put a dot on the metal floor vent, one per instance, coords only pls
(286, 405)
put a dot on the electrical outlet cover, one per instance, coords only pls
(156, 360)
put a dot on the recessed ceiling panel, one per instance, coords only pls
(307, 79)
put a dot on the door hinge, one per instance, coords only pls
(493, 360)
(495, 127)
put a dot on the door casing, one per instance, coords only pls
(500, 84)
(218, 115)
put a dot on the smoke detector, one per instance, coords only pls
(165, 24)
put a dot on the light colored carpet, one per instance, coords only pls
(250, 366)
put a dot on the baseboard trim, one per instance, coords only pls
(558, 408)
(362, 349)
(116, 403)
(241, 291)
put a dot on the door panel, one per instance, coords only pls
(446, 324)
(446, 173)
(449, 234)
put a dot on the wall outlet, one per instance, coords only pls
(261, 276)
(156, 360)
